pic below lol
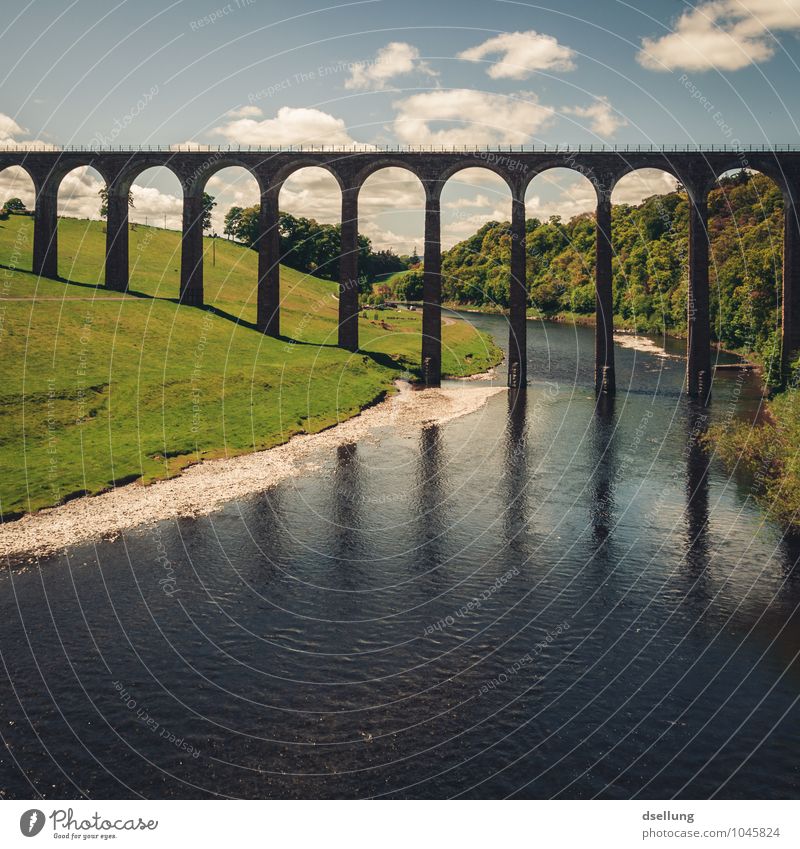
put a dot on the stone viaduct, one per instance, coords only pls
(697, 170)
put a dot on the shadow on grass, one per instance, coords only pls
(381, 359)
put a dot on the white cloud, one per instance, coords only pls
(603, 118)
(9, 129)
(312, 193)
(396, 59)
(245, 112)
(477, 202)
(189, 145)
(15, 183)
(521, 53)
(559, 192)
(291, 126)
(633, 188)
(464, 226)
(475, 118)
(722, 34)
(78, 194)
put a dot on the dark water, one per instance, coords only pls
(544, 599)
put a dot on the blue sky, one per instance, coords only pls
(388, 72)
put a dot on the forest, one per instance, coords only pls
(650, 242)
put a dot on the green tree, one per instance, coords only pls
(233, 218)
(14, 205)
(104, 201)
(208, 205)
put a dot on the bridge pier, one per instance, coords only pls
(432, 291)
(269, 269)
(698, 365)
(192, 250)
(518, 300)
(791, 285)
(348, 271)
(117, 241)
(45, 234)
(604, 375)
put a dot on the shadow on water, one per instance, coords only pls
(604, 472)
(697, 509)
(430, 499)
(516, 476)
(347, 492)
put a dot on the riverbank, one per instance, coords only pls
(205, 487)
(101, 391)
(764, 455)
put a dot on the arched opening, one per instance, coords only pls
(476, 216)
(650, 241)
(81, 239)
(746, 235)
(155, 222)
(231, 228)
(482, 266)
(560, 259)
(17, 205)
(309, 248)
(391, 215)
(560, 243)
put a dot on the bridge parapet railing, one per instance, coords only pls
(427, 149)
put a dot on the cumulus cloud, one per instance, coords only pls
(290, 126)
(603, 118)
(521, 54)
(633, 188)
(245, 112)
(475, 118)
(10, 130)
(559, 193)
(479, 201)
(396, 59)
(15, 183)
(723, 34)
(151, 205)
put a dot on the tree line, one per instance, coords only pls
(650, 265)
(312, 247)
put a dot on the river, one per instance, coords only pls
(547, 598)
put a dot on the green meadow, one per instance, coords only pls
(100, 389)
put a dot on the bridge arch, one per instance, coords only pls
(206, 172)
(16, 182)
(473, 196)
(234, 217)
(285, 172)
(753, 268)
(147, 229)
(492, 162)
(566, 198)
(79, 207)
(132, 170)
(650, 249)
(391, 210)
(381, 163)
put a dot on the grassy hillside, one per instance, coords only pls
(100, 388)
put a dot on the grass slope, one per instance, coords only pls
(100, 389)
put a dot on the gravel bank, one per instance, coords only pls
(203, 488)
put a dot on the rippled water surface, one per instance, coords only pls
(545, 598)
